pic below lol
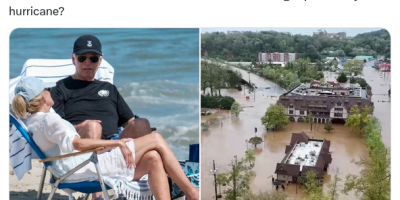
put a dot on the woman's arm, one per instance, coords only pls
(85, 143)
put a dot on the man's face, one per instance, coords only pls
(86, 68)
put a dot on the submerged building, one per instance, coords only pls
(324, 103)
(302, 155)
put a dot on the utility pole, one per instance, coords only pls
(215, 180)
(234, 178)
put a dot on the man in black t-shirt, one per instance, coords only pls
(95, 108)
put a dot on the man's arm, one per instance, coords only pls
(129, 121)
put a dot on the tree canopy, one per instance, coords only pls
(358, 120)
(215, 76)
(245, 46)
(237, 181)
(236, 109)
(275, 117)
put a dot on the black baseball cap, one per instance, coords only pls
(87, 43)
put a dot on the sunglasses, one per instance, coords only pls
(93, 58)
(47, 89)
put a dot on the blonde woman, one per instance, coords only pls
(128, 159)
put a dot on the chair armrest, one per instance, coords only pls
(153, 129)
(72, 154)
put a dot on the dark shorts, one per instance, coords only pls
(116, 137)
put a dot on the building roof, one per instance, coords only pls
(324, 100)
(287, 169)
(299, 137)
(304, 154)
(321, 103)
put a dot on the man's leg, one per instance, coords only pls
(91, 130)
(136, 128)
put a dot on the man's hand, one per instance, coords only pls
(127, 153)
(79, 126)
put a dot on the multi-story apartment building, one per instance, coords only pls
(277, 57)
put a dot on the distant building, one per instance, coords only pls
(277, 58)
(302, 155)
(321, 32)
(380, 57)
(324, 103)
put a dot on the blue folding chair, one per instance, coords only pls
(83, 187)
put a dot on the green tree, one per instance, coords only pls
(278, 195)
(328, 127)
(342, 78)
(311, 183)
(373, 182)
(215, 76)
(236, 109)
(250, 157)
(357, 120)
(275, 117)
(237, 182)
(212, 121)
(334, 186)
(204, 127)
(353, 67)
(309, 119)
(255, 141)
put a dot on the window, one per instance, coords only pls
(291, 112)
(291, 107)
(301, 112)
(339, 104)
(338, 115)
(338, 109)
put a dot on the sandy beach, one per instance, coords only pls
(27, 187)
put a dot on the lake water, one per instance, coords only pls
(156, 71)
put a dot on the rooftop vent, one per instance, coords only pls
(312, 153)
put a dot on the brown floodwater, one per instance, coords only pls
(225, 140)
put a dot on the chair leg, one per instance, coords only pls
(39, 195)
(86, 197)
(70, 197)
(53, 190)
(103, 187)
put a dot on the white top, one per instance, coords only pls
(54, 136)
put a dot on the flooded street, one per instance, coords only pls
(225, 140)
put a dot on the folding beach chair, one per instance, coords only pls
(191, 169)
(52, 71)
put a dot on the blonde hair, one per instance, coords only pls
(21, 108)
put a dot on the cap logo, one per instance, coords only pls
(89, 43)
(103, 93)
